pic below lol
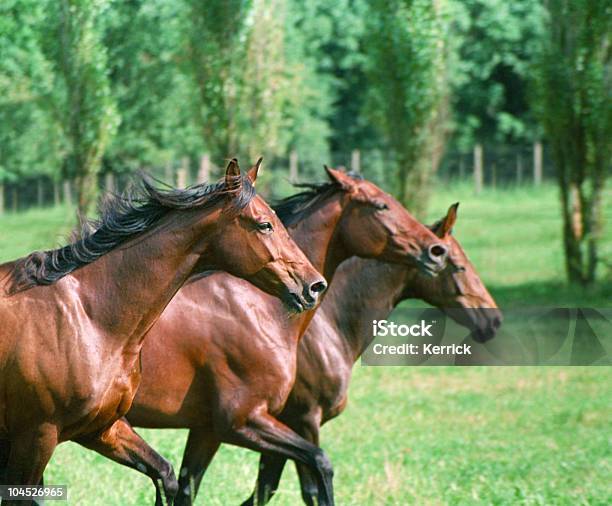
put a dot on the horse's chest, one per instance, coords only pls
(279, 384)
(104, 402)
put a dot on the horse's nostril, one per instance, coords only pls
(318, 287)
(497, 322)
(438, 251)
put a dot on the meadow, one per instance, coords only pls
(531, 435)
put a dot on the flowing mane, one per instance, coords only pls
(122, 218)
(292, 209)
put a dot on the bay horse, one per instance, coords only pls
(74, 319)
(226, 377)
(363, 291)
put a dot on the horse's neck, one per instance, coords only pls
(125, 291)
(316, 235)
(363, 291)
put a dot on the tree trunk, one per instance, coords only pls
(414, 185)
(582, 218)
(571, 236)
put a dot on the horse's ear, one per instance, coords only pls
(254, 170)
(339, 177)
(444, 227)
(232, 175)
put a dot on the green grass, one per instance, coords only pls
(533, 436)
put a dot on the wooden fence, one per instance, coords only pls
(486, 166)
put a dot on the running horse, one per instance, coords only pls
(366, 290)
(74, 319)
(227, 377)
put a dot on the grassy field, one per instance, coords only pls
(422, 435)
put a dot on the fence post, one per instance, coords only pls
(182, 173)
(356, 160)
(56, 193)
(15, 196)
(109, 182)
(494, 175)
(168, 176)
(519, 169)
(67, 193)
(537, 163)
(478, 168)
(204, 171)
(293, 166)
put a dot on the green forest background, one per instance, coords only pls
(92, 90)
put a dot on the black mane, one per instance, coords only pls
(122, 218)
(292, 209)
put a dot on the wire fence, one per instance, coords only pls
(484, 166)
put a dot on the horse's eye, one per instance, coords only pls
(459, 268)
(265, 227)
(381, 206)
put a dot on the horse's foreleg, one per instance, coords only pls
(199, 451)
(309, 430)
(29, 455)
(265, 434)
(268, 478)
(121, 444)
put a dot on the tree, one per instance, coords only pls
(82, 97)
(494, 42)
(215, 49)
(310, 96)
(572, 96)
(29, 144)
(405, 46)
(264, 83)
(143, 39)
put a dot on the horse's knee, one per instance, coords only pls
(168, 479)
(324, 465)
(171, 484)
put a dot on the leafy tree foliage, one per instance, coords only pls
(29, 143)
(143, 39)
(90, 85)
(495, 42)
(83, 100)
(573, 92)
(214, 52)
(405, 53)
